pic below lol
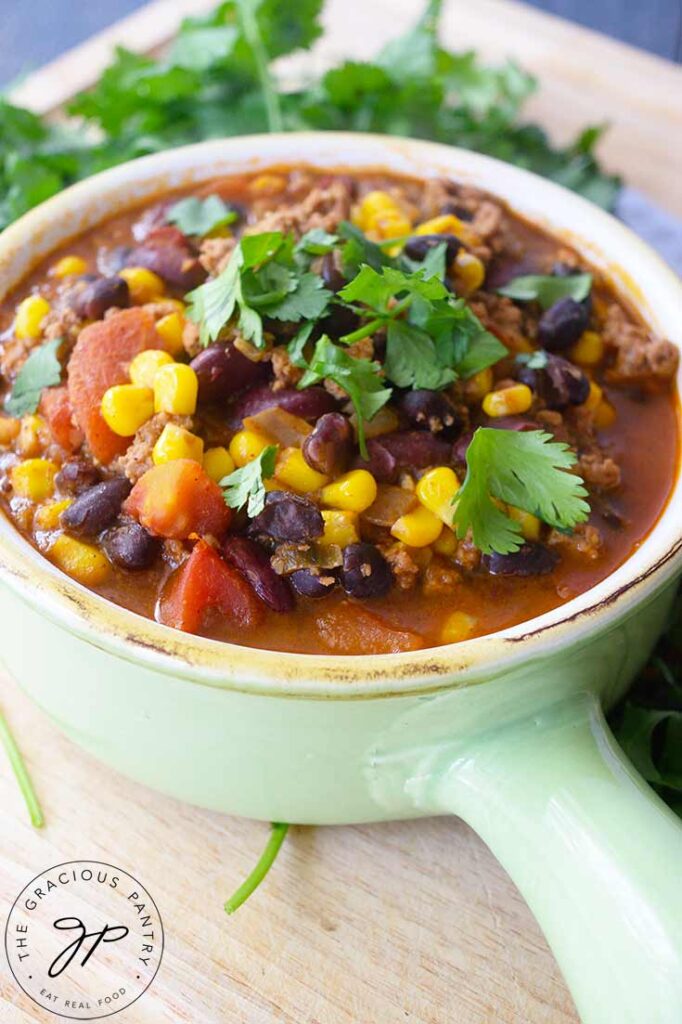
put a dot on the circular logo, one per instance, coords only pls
(84, 939)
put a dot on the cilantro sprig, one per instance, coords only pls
(526, 469)
(201, 217)
(41, 370)
(245, 487)
(547, 288)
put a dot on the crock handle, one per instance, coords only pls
(596, 854)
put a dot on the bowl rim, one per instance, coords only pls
(657, 293)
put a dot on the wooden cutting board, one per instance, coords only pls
(378, 924)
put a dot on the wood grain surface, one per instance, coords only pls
(383, 924)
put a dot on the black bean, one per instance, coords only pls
(96, 508)
(365, 571)
(76, 476)
(254, 563)
(531, 559)
(309, 404)
(100, 295)
(429, 409)
(417, 247)
(561, 325)
(313, 584)
(289, 517)
(329, 448)
(222, 371)
(559, 382)
(130, 546)
(339, 321)
(381, 464)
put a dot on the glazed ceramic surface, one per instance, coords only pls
(506, 731)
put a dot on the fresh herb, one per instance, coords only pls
(525, 469)
(547, 289)
(201, 217)
(316, 242)
(265, 862)
(41, 370)
(411, 358)
(360, 378)
(21, 774)
(245, 485)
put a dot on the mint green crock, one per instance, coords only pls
(506, 731)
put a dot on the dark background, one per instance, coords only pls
(33, 32)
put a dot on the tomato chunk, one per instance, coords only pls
(99, 361)
(206, 582)
(56, 407)
(176, 499)
(351, 629)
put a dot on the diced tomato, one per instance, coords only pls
(351, 629)
(177, 499)
(206, 582)
(56, 407)
(99, 361)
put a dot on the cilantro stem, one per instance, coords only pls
(267, 859)
(21, 774)
(252, 33)
(373, 325)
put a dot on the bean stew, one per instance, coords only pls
(327, 413)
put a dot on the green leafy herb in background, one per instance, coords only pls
(200, 217)
(547, 289)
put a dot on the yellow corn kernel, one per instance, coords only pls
(69, 266)
(9, 429)
(340, 527)
(478, 386)
(34, 435)
(448, 224)
(175, 442)
(246, 446)
(604, 415)
(218, 463)
(170, 329)
(417, 529)
(144, 285)
(594, 398)
(30, 315)
(589, 349)
(34, 479)
(445, 544)
(292, 469)
(146, 365)
(125, 407)
(354, 491)
(458, 626)
(175, 390)
(435, 491)
(381, 215)
(509, 401)
(268, 184)
(469, 272)
(47, 517)
(84, 562)
(530, 524)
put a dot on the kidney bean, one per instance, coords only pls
(365, 571)
(381, 464)
(532, 559)
(561, 325)
(96, 508)
(130, 546)
(76, 476)
(430, 409)
(222, 371)
(339, 321)
(309, 404)
(99, 295)
(416, 449)
(254, 563)
(559, 383)
(289, 517)
(166, 253)
(329, 448)
(418, 246)
(313, 584)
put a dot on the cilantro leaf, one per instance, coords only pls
(376, 290)
(258, 249)
(547, 289)
(41, 370)
(411, 358)
(359, 378)
(199, 217)
(212, 304)
(358, 249)
(245, 485)
(316, 242)
(298, 343)
(461, 340)
(308, 300)
(525, 469)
